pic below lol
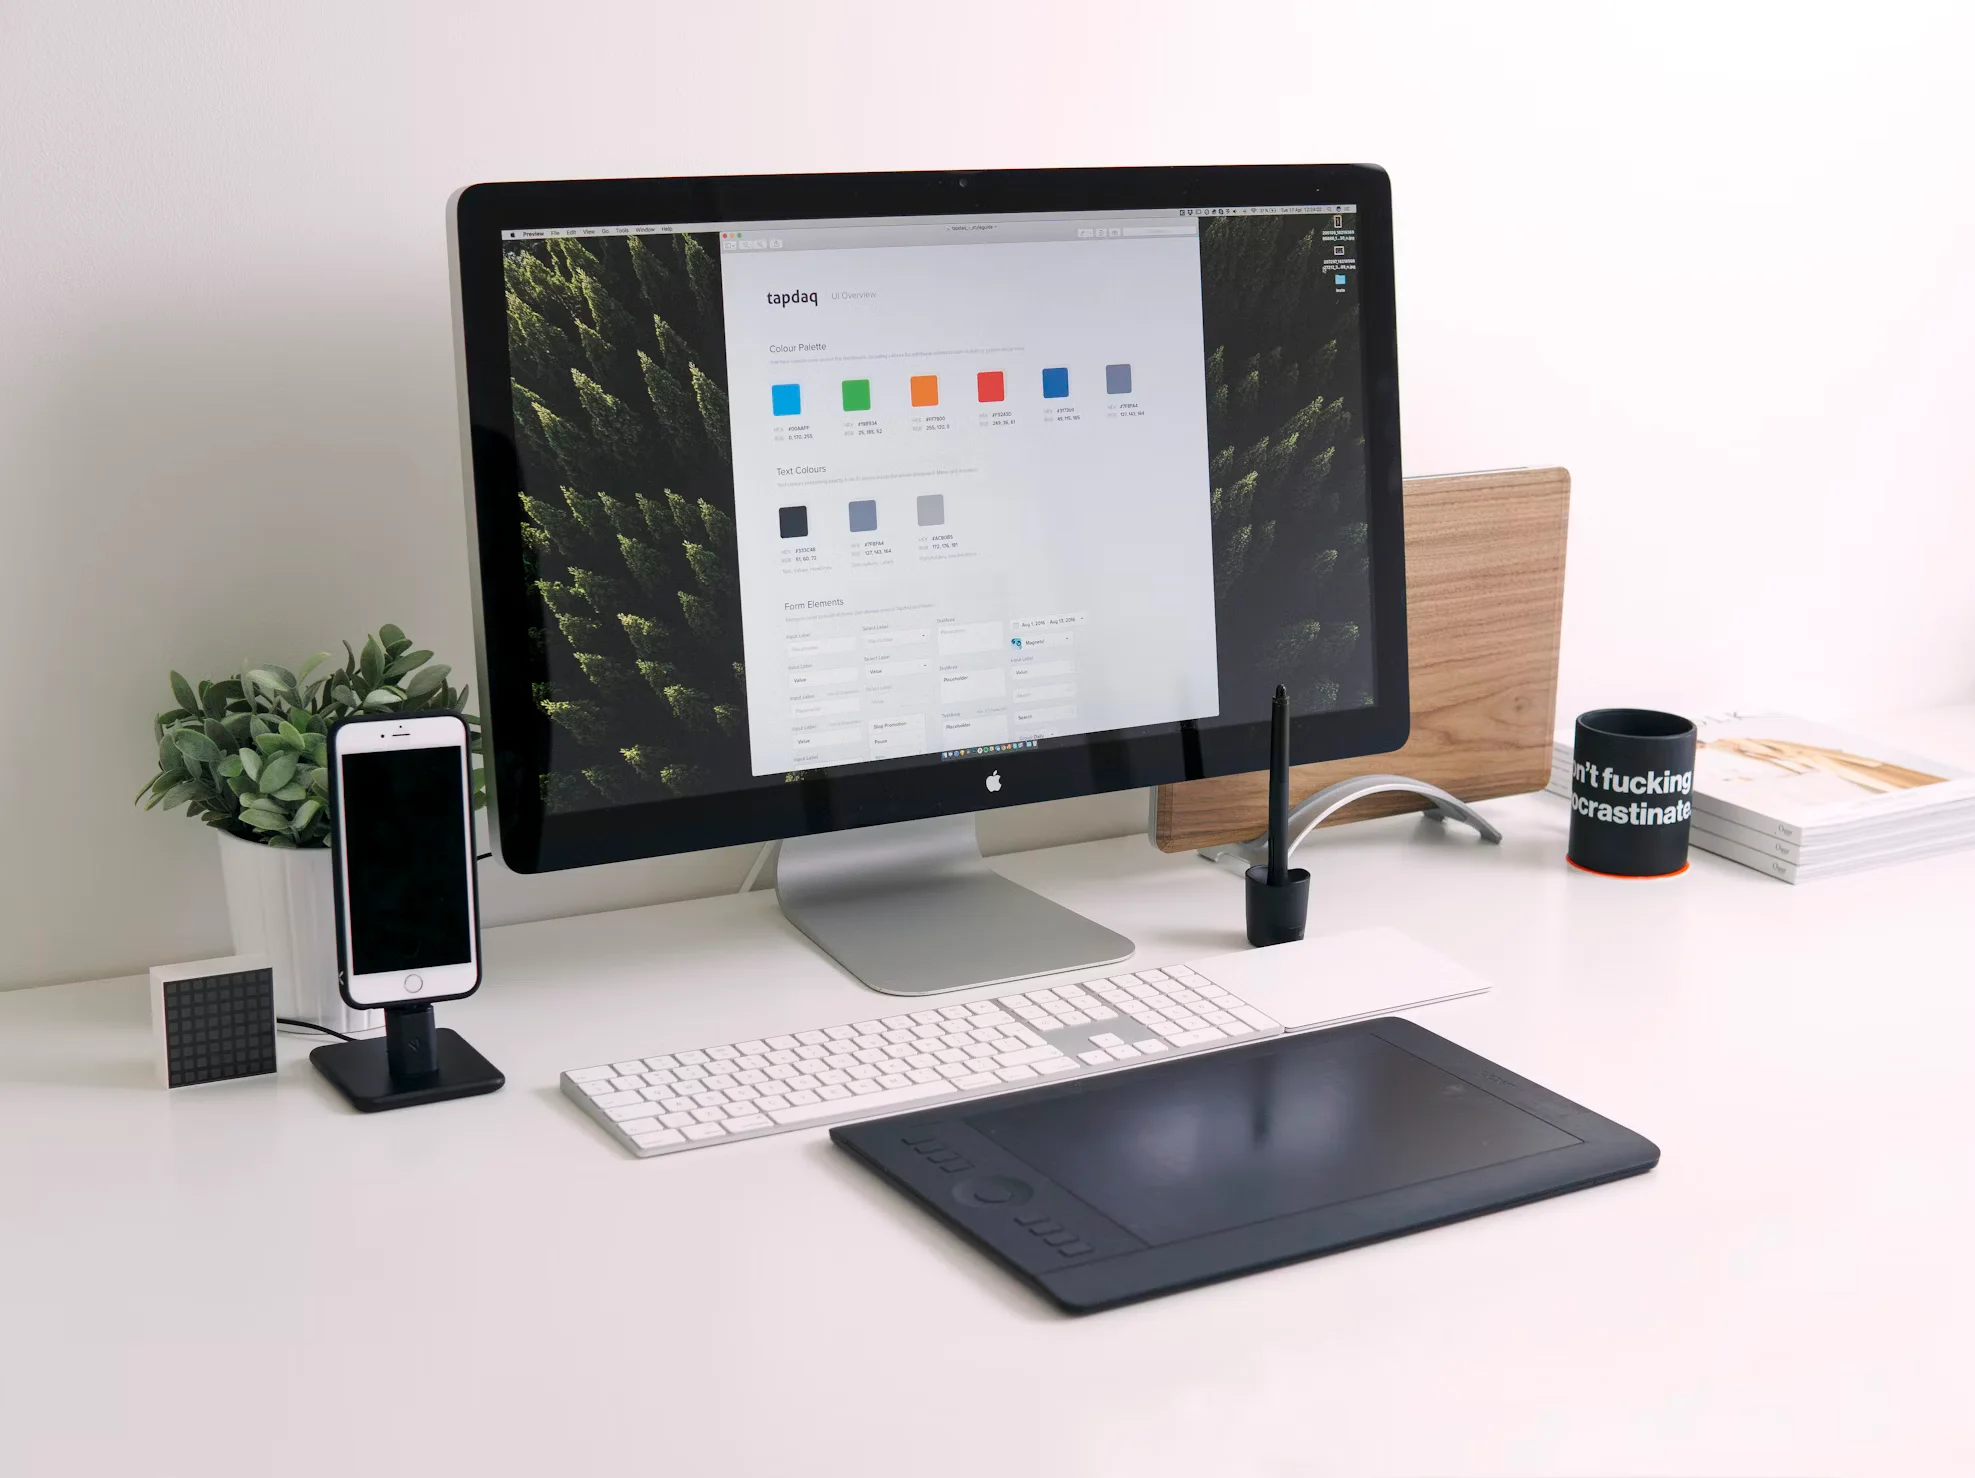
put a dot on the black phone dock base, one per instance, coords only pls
(415, 1062)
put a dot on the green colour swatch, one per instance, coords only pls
(857, 395)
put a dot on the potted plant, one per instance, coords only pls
(247, 755)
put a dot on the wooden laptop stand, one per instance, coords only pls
(1484, 616)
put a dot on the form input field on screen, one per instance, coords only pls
(1048, 692)
(833, 677)
(972, 685)
(974, 636)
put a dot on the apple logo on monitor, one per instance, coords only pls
(994, 780)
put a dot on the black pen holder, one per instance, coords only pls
(1276, 915)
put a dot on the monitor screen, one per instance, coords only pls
(809, 497)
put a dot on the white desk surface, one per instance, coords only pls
(250, 1278)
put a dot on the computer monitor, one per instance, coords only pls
(838, 508)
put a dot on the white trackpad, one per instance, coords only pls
(1342, 977)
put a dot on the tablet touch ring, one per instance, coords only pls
(992, 1190)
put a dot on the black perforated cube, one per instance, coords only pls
(218, 1026)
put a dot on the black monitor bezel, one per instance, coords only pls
(533, 841)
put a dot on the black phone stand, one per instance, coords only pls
(416, 1062)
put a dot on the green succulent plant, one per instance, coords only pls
(248, 754)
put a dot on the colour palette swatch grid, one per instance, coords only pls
(923, 391)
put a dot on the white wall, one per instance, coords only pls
(1715, 259)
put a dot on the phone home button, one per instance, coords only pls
(414, 984)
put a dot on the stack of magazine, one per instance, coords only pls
(1800, 801)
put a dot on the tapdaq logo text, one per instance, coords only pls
(1652, 799)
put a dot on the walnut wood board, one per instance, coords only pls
(1484, 615)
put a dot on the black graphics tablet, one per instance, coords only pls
(1154, 1179)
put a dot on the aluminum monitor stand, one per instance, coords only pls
(1317, 808)
(913, 908)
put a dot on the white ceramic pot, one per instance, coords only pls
(281, 902)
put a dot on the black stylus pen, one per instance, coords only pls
(1279, 789)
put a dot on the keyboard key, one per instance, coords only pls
(635, 1065)
(864, 1088)
(1122, 1053)
(911, 1093)
(591, 1074)
(752, 1048)
(1254, 1018)
(704, 1131)
(1106, 1039)
(782, 1043)
(640, 1126)
(658, 1139)
(828, 1090)
(976, 1080)
(1198, 1037)
(746, 1122)
(1054, 1065)
(1015, 1074)
(695, 1057)
(803, 1098)
(1060, 1239)
(615, 1097)
(1151, 1046)
(1096, 1057)
(1026, 1056)
(892, 1080)
(1073, 1249)
(722, 1054)
(676, 1121)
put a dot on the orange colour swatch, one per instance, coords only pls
(925, 389)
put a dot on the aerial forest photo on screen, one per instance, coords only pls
(619, 381)
(620, 414)
(1292, 587)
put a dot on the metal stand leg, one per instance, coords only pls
(1305, 818)
(912, 908)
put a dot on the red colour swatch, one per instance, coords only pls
(990, 385)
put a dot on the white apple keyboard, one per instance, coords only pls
(726, 1091)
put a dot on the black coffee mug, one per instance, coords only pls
(1631, 792)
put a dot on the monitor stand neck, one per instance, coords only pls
(913, 908)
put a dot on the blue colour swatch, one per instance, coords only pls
(788, 400)
(1056, 384)
(1117, 379)
(863, 515)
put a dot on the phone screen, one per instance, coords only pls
(404, 835)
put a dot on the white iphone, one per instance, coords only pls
(401, 835)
